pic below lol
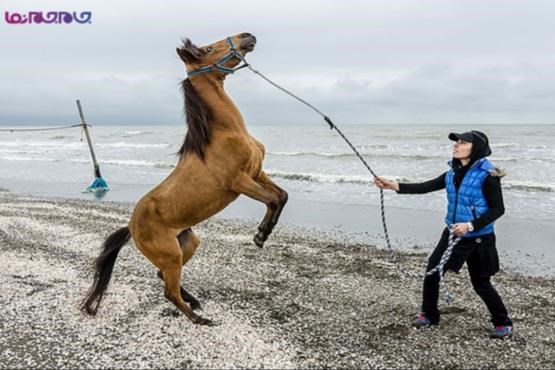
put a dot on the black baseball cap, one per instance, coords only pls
(478, 138)
(466, 136)
(469, 136)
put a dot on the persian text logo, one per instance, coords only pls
(52, 17)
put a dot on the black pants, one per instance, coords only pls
(480, 255)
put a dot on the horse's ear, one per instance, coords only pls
(188, 52)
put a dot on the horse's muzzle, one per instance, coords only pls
(248, 42)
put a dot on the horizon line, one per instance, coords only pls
(293, 124)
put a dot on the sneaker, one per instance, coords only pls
(421, 321)
(502, 331)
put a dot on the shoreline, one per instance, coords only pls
(308, 299)
(524, 245)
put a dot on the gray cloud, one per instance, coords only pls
(360, 61)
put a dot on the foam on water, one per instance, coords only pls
(310, 161)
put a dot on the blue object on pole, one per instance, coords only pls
(99, 184)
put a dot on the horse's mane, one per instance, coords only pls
(197, 117)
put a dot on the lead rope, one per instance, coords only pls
(392, 254)
(440, 266)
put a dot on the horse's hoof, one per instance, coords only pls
(203, 321)
(259, 242)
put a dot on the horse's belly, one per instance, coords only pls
(184, 198)
(191, 212)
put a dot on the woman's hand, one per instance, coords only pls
(460, 229)
(386, 184)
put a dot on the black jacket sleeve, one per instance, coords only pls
(492, 192)
(423, 187)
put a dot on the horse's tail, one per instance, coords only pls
(104, 265)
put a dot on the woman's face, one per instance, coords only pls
(462, 149)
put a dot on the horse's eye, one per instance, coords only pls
(209, 49)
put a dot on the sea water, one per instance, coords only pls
(310, 161)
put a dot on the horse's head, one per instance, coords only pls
(220, 57)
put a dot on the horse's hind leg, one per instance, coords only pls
(165, 253)
(189, 241)
(172, 280)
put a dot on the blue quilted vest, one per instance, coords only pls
(469, 202)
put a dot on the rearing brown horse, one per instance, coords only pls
(219, 160)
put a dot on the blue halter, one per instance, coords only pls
(218, 66)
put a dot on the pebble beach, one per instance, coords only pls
(310, 299)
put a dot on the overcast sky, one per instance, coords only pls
(394, 61)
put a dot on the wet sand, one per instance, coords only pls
(308, 299)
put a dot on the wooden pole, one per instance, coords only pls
(84, 125)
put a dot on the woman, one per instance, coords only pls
(475, 201)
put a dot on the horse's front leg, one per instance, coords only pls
(260, 191)
(272, 214)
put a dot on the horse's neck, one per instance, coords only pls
(224, 111)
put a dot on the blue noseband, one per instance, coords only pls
(219, 65)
